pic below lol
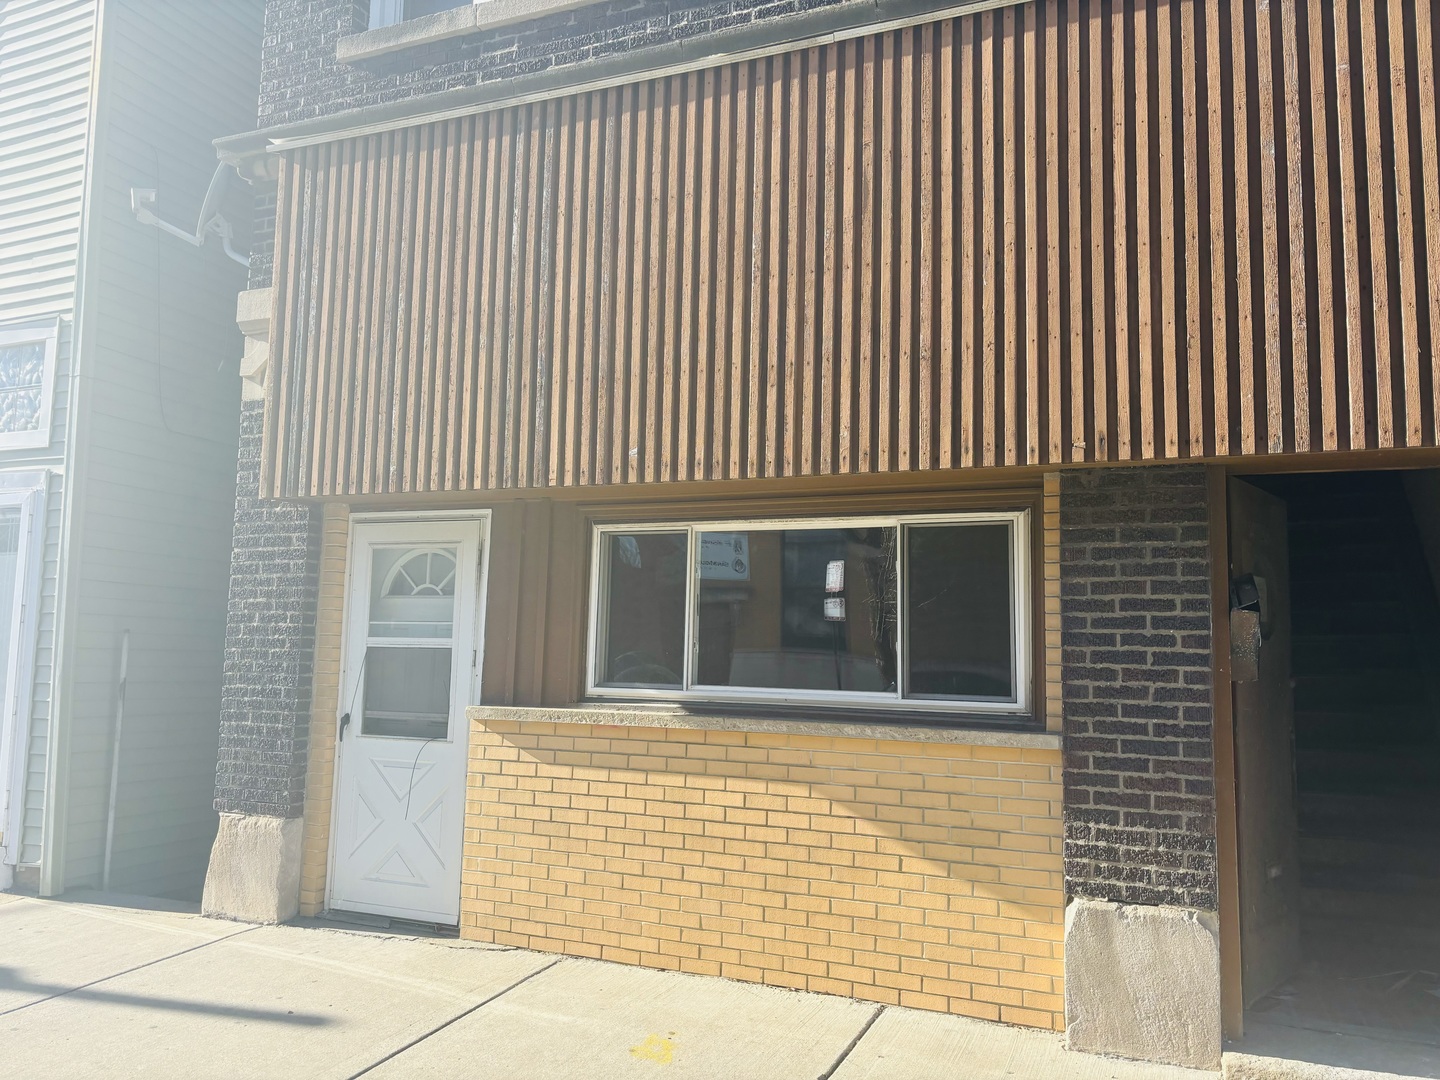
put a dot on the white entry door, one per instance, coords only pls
(412, 662)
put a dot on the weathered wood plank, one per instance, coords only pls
(1220, 197)
(1430, 171)
(1139, 49)
(1297, 408)
(991, 433)
(1102, 340)
(969, 420)
(1054, 447)
(1350, 211)
(1320, 107)
(1034, 240)
(1119, 208)
(1413, 420)
(1269, 236)
(1376, 139)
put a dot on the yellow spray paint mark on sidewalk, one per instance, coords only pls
(654, 1048)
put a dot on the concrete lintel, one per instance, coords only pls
(682, 719)
(1143, 982)
(254, 873)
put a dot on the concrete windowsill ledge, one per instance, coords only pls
(863, 726)
(444, 25)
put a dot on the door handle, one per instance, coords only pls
(344, 723)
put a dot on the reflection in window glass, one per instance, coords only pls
(22, 376)
(643, 621)
(412, 592)
(798, 609)
(959, 611)
(407, 692)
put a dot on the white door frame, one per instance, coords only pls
(25, 490)
(349, 680)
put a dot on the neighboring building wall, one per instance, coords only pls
(302, 79)
(918, 874)
(46, 49)
(155, 428)
(1142, 948)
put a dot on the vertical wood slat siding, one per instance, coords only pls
(1073, 230)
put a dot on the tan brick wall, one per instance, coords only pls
(324, 707)
(919, 874)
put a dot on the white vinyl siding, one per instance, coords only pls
(46, 60)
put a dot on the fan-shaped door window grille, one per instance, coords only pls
(413, 592)
(430, 572)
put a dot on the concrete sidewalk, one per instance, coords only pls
(106, 986)
(96, 988)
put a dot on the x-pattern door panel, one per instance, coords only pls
(411, 662)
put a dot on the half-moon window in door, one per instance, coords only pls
(413, 592)
(429, 572)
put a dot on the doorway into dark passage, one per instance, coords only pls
(1363, 601)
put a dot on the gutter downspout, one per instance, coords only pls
(115, 758)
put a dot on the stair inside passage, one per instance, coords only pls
(1364, 568)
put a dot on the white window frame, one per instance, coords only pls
(690, 692)
(392, 12)
(25, 491)
(47, 332)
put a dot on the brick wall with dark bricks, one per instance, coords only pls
(269, 644)
(301, 79)
(262, 246)
(1139, 805)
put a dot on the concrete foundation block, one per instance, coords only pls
(1143, 982)
(254, 873)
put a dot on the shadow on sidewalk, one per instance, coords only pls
(10, 979)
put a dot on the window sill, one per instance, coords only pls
(444, 25)
(971, 730)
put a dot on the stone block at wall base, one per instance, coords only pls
(1143, 982)
(254, 873)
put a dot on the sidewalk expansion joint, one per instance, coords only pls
(457, 1017)
(835, 1065)
(127, 971)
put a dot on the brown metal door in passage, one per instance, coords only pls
(1265, 746)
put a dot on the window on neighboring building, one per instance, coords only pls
(390, 12)
(27, 378)
(920, 612)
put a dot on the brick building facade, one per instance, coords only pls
(794, 282)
